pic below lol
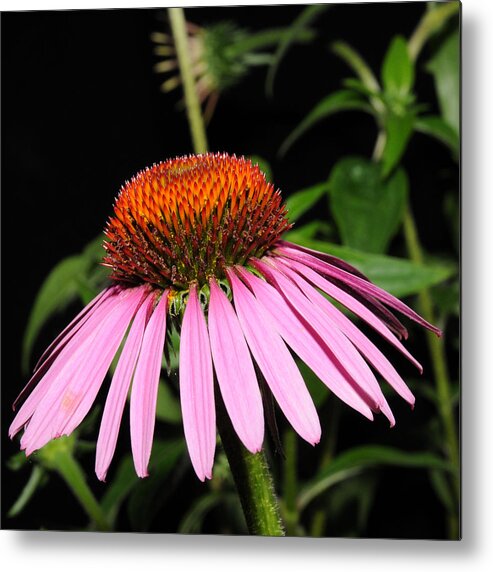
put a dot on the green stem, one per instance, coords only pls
(290, 487)
(437, 352)
(430, 23)
(253, 480)
(70, 470)
(194, 113)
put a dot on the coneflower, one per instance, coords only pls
(195, 244)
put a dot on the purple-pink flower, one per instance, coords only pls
(195, 244)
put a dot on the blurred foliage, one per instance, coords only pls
(367, 199)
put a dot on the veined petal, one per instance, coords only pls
(68, 332)
(46, 372)
(364, 345)
(275, 362)
(117, 394)
(73, 391)
(360, 284)
(307, 344)
(197, 388)
(351, 304)
(145, 386)
(342, 349)
(235, 372)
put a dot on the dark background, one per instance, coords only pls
(82, 112)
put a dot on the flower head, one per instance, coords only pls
(195, 243)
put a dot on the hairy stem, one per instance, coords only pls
(253, 480)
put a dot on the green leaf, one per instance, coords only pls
(318, 390)
(78, 275)
(442, 489)
(167, 407)
(367, 210)
(436, 127)
(395, 275)
(119, 488)
(445, 68)
(357, 64)
(397, 68)
(398, 130)
(193, 520)
(356, 459)
(150, 494)
(35, 480)
(343, 100)
(59, 289)
(309, 230)
(306, 17)
(301, 201)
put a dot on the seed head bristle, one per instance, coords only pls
(188, 218)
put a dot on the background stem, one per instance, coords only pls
(194, 113)
(437, 353)
(290, 482)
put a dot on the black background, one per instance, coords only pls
(82, 112)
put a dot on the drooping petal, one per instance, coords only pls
(333, 260)
(197, 388)
(350, 303)
(145, 387)
(235, 372)
(308, 345)
(74, 332)
(361, 342)
(71, 395)
(66, 334)
(275, 362)
(342, 349)
(362, 285)
(46, 376)
(117, 394)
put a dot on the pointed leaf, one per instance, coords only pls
(445, 66)
(395, 275)
(397, 68)
(343, 100)
(436, 127)
(306, 17)
(168, 406)
(150, 494)
(367, 210)
(301, 201)
(398, 130)
(359, 458)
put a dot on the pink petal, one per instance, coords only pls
(115, 402)
(361, 342)
(72, 393)
(68, 332)
(308, 345)
(349, 302)
(145, 387)
(333, 260)
(362, 285)
(46, 376)
(44, 364)
(275, 362)
(235, 371)
(342, 349)
(197, 388)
